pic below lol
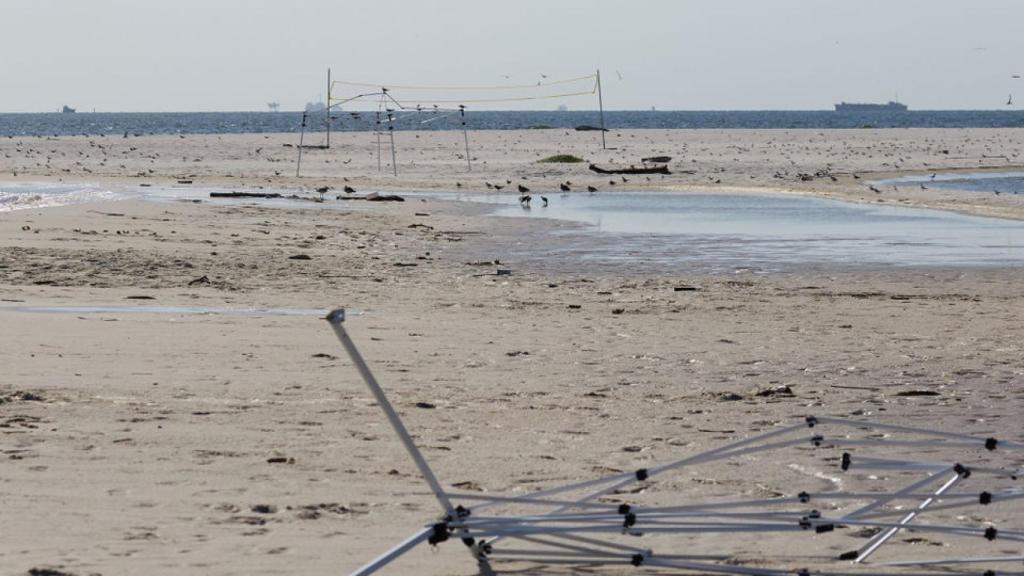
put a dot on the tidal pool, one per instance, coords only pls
(723, 231)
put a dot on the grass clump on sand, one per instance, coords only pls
(565, 158)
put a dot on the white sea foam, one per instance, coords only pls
(28, 196)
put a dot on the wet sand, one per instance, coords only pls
(171, 443)
(830, 163)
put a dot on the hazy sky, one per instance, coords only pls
(183, 55)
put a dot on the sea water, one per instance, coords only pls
(666, 230)
(141, 123)
(988, 182)
(26, 196)
(724, 231)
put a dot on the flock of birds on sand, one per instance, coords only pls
(525, 196)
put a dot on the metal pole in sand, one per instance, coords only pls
(600, 105)
(302, 135)
(336, 319)
(391, 134)
(328, 108)
(465, 137)
(383, 98)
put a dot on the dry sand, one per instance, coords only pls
(141, 443)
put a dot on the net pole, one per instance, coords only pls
(378, 137)
(465, 136)
(328, 108)
(391, 135)
(600, 106)
(302, 135)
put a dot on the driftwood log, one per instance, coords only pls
(631, 170)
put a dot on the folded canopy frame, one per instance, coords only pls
(572, 526)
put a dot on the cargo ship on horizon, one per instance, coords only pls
(891, 106)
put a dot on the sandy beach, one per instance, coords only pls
(831, 163)
(173, 443)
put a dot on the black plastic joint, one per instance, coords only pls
(438, 534)
(962, 470)
(462, 512)
(822, 528)
(629, 521)
(817, 439)
(985, 498)
(469, 541)
(641, 474)
(811, 421)
(804, 497)
(624, 509)
(636, 559)
(991, 443)
(851, 555)
(991, 533)
(845, 464)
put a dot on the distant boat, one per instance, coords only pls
(67, 110)
(890, 106)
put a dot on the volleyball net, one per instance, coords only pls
(368, 97)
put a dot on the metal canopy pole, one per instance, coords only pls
(336, 319)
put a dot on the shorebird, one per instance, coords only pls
(545, 200)
(524, 200)
(349, 190)
(875, 190)
(523, 189)
(488, 184)
(564, 187)
(591, 189)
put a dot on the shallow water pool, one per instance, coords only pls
(765, 231)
